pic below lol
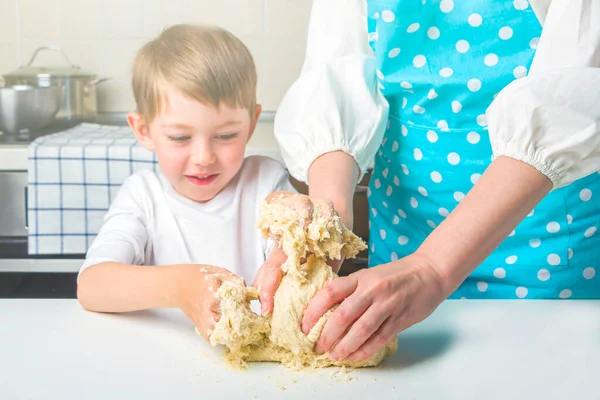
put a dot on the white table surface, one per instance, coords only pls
(53, 349)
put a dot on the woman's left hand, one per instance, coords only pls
(375, 304)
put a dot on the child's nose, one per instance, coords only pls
(203, 155)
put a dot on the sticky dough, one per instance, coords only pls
(278, 337)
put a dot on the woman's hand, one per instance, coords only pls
(375, 304)
(269, 275)
(197, 294)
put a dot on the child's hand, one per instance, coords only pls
(197, 294)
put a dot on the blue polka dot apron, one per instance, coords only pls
(440, 64)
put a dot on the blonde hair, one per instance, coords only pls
(207, 64)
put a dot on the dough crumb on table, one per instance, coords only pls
(278, 337)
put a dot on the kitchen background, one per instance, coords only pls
(102, 36)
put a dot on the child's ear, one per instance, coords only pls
(254, 121)
(141, 131)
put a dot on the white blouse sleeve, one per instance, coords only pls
(551, 118)
(335, 104)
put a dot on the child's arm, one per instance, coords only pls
(118, 287)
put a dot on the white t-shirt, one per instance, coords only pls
(149, 223)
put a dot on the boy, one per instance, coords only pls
(169, 239)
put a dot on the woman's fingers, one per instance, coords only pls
(331, 294)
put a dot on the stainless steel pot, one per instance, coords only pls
(25, 108)
(80, 98)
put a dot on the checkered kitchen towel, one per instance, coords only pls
(73, 177)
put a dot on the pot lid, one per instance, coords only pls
(71, 70)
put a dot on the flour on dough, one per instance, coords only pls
(278, 337)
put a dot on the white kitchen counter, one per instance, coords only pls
(53, 349)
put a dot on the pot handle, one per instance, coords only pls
(51, 48)
(94, 82)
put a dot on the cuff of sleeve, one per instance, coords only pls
(530, 159)
(311, 158)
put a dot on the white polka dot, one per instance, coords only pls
(453, 158)
(388, 16)
(458, 196)
(446, 72)
(513, 233)
(565, 294)
(446, 6)
(395, 146)
(531, 213)
(380, 86)
(383, 234)
(402, 240)
(585, 195)
(490, 60)
(405, 169)
(373, 36)
(432, 94)
(419, 61)
(422, 190)
(443, 125)
(404, 130)
(413, 27)
(389, 191)
(372, 247)
(418, 154)
(475, 178)
(569, 219)
(414, 203)
(520, 72)
(521, 292)
(374, 211)
(521, 4)
(383, 203)
(589, 273)
(535, 243)
(406, 85)
(589, 232)
(543, 275)
(433, 33)
(443, 212)
(462, 46)
(404, 102)
(505, 33)
(402, 213)
(534, 43)
(431, 224)
(511, 260)
(482, 120)
(377, 183)
(474, 85)
(475, 20)
(396, 181)
(432, 136)
(500, 273)
(436, 177)
(456, 106)
(473, 137)
(482, 286)
(380, 75)
(553, 259)
(553, 227)
(385, 172)
(394, 256)
(393, 53)
(418, 109)
(368, 192)
(396, 220)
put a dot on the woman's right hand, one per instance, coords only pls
(269, 275)
(197, 287)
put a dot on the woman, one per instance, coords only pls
(486, 141)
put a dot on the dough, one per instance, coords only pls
(278, 337)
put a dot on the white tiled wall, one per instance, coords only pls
(102, 36)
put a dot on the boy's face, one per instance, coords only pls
(199, 148)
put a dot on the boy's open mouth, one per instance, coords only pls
(202, 180)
